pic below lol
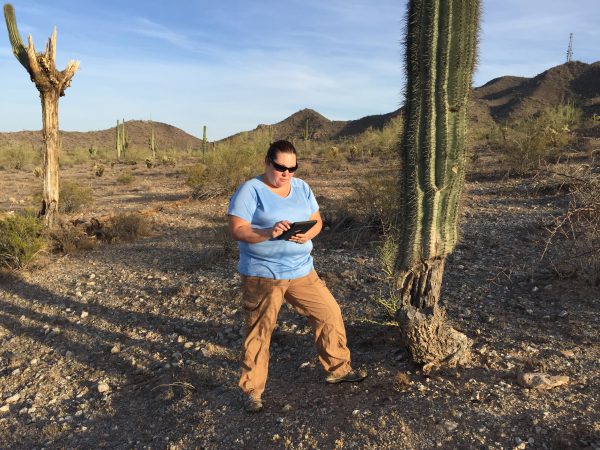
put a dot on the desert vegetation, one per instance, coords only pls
(130, 302)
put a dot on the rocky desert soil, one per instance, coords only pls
(136, 345)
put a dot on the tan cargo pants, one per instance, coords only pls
(262, 299)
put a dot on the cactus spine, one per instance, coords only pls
(51, 83)
(440, 57)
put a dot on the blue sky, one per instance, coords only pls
(233, 64)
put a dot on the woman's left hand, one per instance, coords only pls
(300, 238)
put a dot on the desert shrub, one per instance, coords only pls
(333, 159)
(381, 143)
(38, 172)
(527, 143)
(125, 178)
(98, 170)
(376, 198)
(167, 160)
(16, 158)
(66, 238)
(20, 239)
(226, 168)
(74, 157)
(73, 196)
(124, 228)
(573, 242)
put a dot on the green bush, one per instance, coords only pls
(20, 239)
(381, 143)
(528, 143)
(73, 196)
(227, 167)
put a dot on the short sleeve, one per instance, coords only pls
(243, 203)
(312, 201)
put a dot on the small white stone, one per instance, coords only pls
(84, 314)
(5, 408)
(103, 387)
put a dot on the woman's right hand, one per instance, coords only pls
(279, 228)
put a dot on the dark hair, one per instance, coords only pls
(281, 146)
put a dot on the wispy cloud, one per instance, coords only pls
(148, 28)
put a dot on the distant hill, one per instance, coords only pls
(319, 127)
(165, 136)
(516, 97)
(495, 101)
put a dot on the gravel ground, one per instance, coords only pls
(136, 345)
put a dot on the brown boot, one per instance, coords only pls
(354, 376)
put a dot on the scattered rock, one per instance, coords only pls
(103, 387)
(450, 426)
(5, 409)
(287, 407)
(13, 399)
(541, 380)
(84, 314)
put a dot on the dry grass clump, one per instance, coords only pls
(66, 238)
(125, 178)
(376, 198)
(20, 240)
(124, 227)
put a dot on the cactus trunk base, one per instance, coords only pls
(424, 332)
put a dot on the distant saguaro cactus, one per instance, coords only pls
(122, 140)
(204, 142)
(52, 84)
(152, 142)
(441, 48)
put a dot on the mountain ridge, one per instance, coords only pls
(500, 99)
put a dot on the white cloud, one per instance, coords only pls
(148, 28)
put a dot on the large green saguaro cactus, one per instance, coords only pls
(52, 84)
(441, 47)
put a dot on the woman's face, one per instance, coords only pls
(275, 177)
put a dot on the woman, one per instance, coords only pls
(272, 270)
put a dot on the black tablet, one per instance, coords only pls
(296, 228)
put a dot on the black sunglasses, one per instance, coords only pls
(280, 168)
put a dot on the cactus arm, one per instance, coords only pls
(40, 66)
(14, 36)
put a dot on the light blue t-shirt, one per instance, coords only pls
(257, 204)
